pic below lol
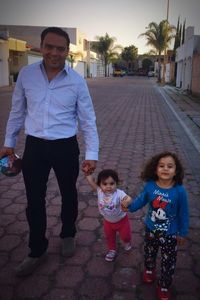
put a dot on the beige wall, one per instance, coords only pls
(196, 74)
(17, 45)
(16, 61)
(4, 70)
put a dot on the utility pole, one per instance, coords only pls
(165, 51)
(167, 10)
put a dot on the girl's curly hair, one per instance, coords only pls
(149, 172)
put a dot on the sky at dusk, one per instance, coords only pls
(125, 20)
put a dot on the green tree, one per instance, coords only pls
(105, 47)
(183, 33)
(146, 64)
(177, 40)
(159, 37)
(73, 56)
(180, 32)
(129, 55)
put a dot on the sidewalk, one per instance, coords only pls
(187, 103)
(134, 122)
(6, 88)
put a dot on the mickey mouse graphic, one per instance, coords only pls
(158, 214)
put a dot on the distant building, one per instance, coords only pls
(188, 63)
(84, 61)
(12, 57)
(4, 56)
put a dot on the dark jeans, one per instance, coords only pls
(39, 157)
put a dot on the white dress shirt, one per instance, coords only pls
(52, 110)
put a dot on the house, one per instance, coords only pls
(188, 63)
(84, 61)
(4, 56)
(169, 67)
(12, 57)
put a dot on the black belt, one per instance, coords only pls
(34, 138)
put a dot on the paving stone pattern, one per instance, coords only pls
(133, 123)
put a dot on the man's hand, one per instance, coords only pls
(88, 166)
(5, 151)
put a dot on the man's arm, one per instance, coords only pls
(87, 122)
(16, 117)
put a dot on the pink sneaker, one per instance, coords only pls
(111, 255)
(149, 276)
(127, 246)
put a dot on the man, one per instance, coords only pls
(48, 100)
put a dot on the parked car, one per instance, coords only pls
(118, 73)
(142, 72)
(131, 73)
(151, 74)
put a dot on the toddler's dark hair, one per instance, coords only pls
(149, 172)
(104, 174)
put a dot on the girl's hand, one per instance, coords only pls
(125, 203)
(181, 240)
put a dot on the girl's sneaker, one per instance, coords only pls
(127, 246)
(149, 276)
(163, 293)
(111, 255)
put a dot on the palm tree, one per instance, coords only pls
(159, 37)
(73, 56)
(105, 47)
(129, 55)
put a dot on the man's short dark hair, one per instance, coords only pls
(56, 30)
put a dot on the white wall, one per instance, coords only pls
(93, 69)
(80, 67)
(33, 58)
(184, 56)
(184, 63)
(167, 73)
(179, 74)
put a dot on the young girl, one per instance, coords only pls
(167, 217)
(109, 204)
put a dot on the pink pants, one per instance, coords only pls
(111, 229)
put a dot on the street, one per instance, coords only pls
(135, 119)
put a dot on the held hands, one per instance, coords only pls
(88, 166)
(126, 201)
(6, 151)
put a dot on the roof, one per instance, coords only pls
(31, 34)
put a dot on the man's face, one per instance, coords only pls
(54, 49)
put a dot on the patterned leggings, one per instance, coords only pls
(168, 246)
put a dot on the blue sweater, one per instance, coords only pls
(167, 208)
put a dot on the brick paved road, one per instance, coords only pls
(134, 122)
